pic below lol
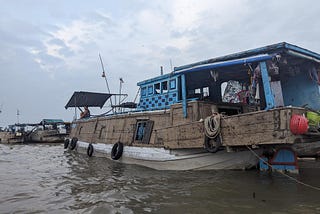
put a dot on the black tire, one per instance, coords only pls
(73, 143)
(90, 150)
(212, 145)
(117, 151)
(66, 143)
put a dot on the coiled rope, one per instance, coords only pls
(212, 125)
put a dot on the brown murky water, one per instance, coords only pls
(46, 179)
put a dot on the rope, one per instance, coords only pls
(286, 175)
(282, 173)
(212, 125)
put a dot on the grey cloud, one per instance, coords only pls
(128, 49)
(171, 51)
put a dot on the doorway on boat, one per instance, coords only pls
(143, 131)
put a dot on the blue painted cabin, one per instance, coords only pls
(283, 74)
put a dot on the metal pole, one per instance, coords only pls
(18, 113)
(121, 81)
(105, 78)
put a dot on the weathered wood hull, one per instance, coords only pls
(45, 136)
(311, 149)
(169, 132)
(11, 138)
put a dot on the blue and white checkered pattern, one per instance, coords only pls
(158, 101)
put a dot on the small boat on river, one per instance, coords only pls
(47, 131)
(254, 108)
(13, 134)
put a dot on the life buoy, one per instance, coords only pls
(73, 143)
(117, 151)
(90, 150)
(212, 144)
(66, 143)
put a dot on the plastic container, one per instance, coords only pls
(313, 118)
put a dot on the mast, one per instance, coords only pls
(105, 78)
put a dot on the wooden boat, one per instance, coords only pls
(230, 112)
(14, 134)
(11, 137)
(48, 131)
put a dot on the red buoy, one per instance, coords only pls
(298, 124)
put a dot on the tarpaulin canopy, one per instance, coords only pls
(90, 99)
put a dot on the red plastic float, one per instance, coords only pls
(298, 124)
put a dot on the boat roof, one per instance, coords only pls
(269, 49)
(89, 99)
(248, 56)
(51, 121)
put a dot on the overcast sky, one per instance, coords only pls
(50, 48)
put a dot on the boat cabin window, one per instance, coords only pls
(172, 84)
(157, 89)
(206, 92)
(144, 91)
(143, 131)
(164, 87)
(150, 90)
(140, 130)
(199, 93)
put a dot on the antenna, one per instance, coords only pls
(171, 65)
(105, 78)
(18, 114)
(121, 82)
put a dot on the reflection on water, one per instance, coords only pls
(45, 178)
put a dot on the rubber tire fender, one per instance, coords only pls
(117, 151)
(212, 148)
(66, 143)
(73, 143)
(90, 150)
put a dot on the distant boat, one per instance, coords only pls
(47, 131)
(13, 134)
(232, 112)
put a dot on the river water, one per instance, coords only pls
(44, 178)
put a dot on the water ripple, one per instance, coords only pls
(46, 179)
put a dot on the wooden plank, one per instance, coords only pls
(183, 136)
(172, 130)
(242, 120)
(259, 138)
(285, 116)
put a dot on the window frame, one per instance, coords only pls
(143, 91)
(164, 83)
(150, 89)
(172, 84)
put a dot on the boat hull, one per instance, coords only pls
(310, 149)
(181, 159)
(12, 138)
(46, 136)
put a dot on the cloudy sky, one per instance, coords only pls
(50, 48)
